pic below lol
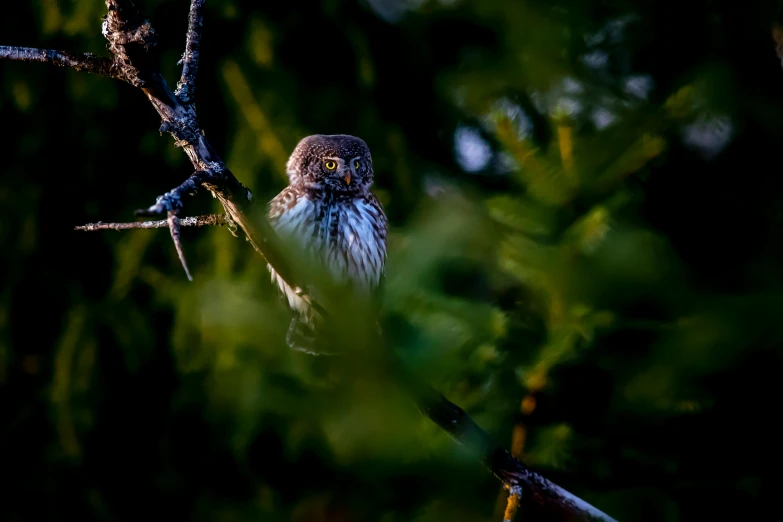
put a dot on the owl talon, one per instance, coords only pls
(300, 338)
(296, 338)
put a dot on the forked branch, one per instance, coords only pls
(129, 38)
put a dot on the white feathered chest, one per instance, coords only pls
(346, 235)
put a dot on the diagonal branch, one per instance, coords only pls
(81, 62)
(537, 491)
(186, 87)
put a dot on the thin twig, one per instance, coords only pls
(81, 62)
(512, 504)
(174, 229)
(186, 87)
(207, 220)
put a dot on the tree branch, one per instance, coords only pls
(173, 222)
(542, 494)
(207, 220)
(80, 62)
(129, 38)
(186, 87)
(514, 495)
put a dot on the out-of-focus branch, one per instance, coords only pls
(518, 438)
(514, 495)
(543, 495)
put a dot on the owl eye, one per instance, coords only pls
(356, 165)
(330, 165)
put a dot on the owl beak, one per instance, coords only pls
(347, 176)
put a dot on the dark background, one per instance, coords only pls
(586, 214)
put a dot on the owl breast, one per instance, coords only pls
(346, 236)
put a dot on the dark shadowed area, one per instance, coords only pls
(585, 254)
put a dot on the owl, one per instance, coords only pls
(329, 211)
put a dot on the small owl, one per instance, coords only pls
(329, 209)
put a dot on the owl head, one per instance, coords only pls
(339, 163)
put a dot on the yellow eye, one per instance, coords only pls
(330, 165)
(356, 165)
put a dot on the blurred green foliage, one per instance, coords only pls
(585, 215)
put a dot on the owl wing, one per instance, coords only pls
(281, 203)
(290, 212)
(381, 229)
(376, 244)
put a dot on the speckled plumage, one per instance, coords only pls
(334, 217)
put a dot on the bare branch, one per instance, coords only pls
(80, 62)
(174, 229)
(129, 37)
(540, 492)
(207, 220)
(186, 87)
